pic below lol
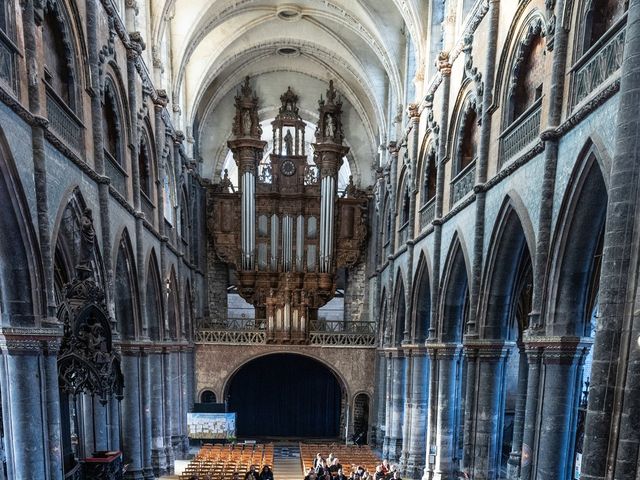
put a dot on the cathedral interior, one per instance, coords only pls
(406, 227)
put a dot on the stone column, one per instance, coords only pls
(381, 394)
(432, 412)
(158, 454)
(52, 401)
(185, 405)
(387, 408)
(417, 445)
(145, 393)
(167, 371)
(131, 415)
(176, 403)
(470, 415)
(448, 361)
(394, 428)
(515, 457)
(408, 410)
(529, 436)
(489, 411)
(562, 367)
(614, 383)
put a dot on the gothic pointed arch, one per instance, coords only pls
(466, 134)
(399, 309)
(115, 133)
(67, 231)
(421, 322)
(22, 295)
(147, 168)
(573, 279)
(126, 290)
(454, 308)
(427, 173)
(153, 300)
(507, 279)
(173, 307)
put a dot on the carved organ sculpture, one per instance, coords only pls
(294, 232)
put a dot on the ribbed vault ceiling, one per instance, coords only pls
(360, 44)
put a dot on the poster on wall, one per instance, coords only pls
(211, 426)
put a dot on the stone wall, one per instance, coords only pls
(355, 301)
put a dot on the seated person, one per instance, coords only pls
(266, 473)
(317, 460)
(340, 475)
(335, 466)
(379, 475)
(252, 474)
(311, 475)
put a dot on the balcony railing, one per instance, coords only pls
(115, 172)
(147, 208)
(8, 62)
(463, 183)
(65, 123)
(599, 63)
(336, 333)
(521, 133)
(233, 331)
(427, 213)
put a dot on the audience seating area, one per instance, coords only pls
(219, 462)
(349, 456)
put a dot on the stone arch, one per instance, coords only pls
(114, 122)
(173, 307)
(189, 313)
(207, 395)
(153, 295)
(508, 260)
(341, 379)
(465, 133)
(66, 249)
(22, 294)
(399, 310)
(524, 27)
(576, 249)
(403, 197)
(126, 296)
(147, 164)
(421, 322)
(454, 305)
(427, 169)
(67, 38)
(361, 408)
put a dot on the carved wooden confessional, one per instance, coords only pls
(287, 231)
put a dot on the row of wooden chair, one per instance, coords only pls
(220, 462)
(349, 456)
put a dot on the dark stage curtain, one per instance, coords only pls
(285, 395)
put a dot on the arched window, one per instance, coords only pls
(467, 138)
(58, 57)
(600, 16)
(406, 202)
(528, 73)
(145, 169)
(429, 176)
(5, 17)
(111, 126)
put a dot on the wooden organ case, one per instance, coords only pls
(287, 231)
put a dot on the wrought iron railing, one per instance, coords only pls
(463, 183)
(233, 331)
(336, 333)
(340, 326)
(115, 172)
(65, 123)
(427, 213)
(598, 64)
(239, 323)
(8, 62)
(147, 208)
(521, 133)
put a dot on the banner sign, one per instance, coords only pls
(207, 426)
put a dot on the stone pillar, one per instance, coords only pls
(167, 371)
(158, 454)
(388, 407)
(176, 403)
(396, 404)
(381, 394)
(470, 415)
(184, 402)
(131, 415)
(52, 430)
(408, 410)
(448, 362)
(613, 392)
(432, 413)
(489, 411)
(145, 393)
(529, 436)
(417, 446)
(560, 398)
(515, 457)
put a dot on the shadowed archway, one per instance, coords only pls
(285, 394)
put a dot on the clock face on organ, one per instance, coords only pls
(288, 168)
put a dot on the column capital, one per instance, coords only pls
(558, 349)
(488, 349)
(444, 350)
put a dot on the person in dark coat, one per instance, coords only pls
(266, 473)
(252, 474)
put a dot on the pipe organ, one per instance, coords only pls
(287, 231)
